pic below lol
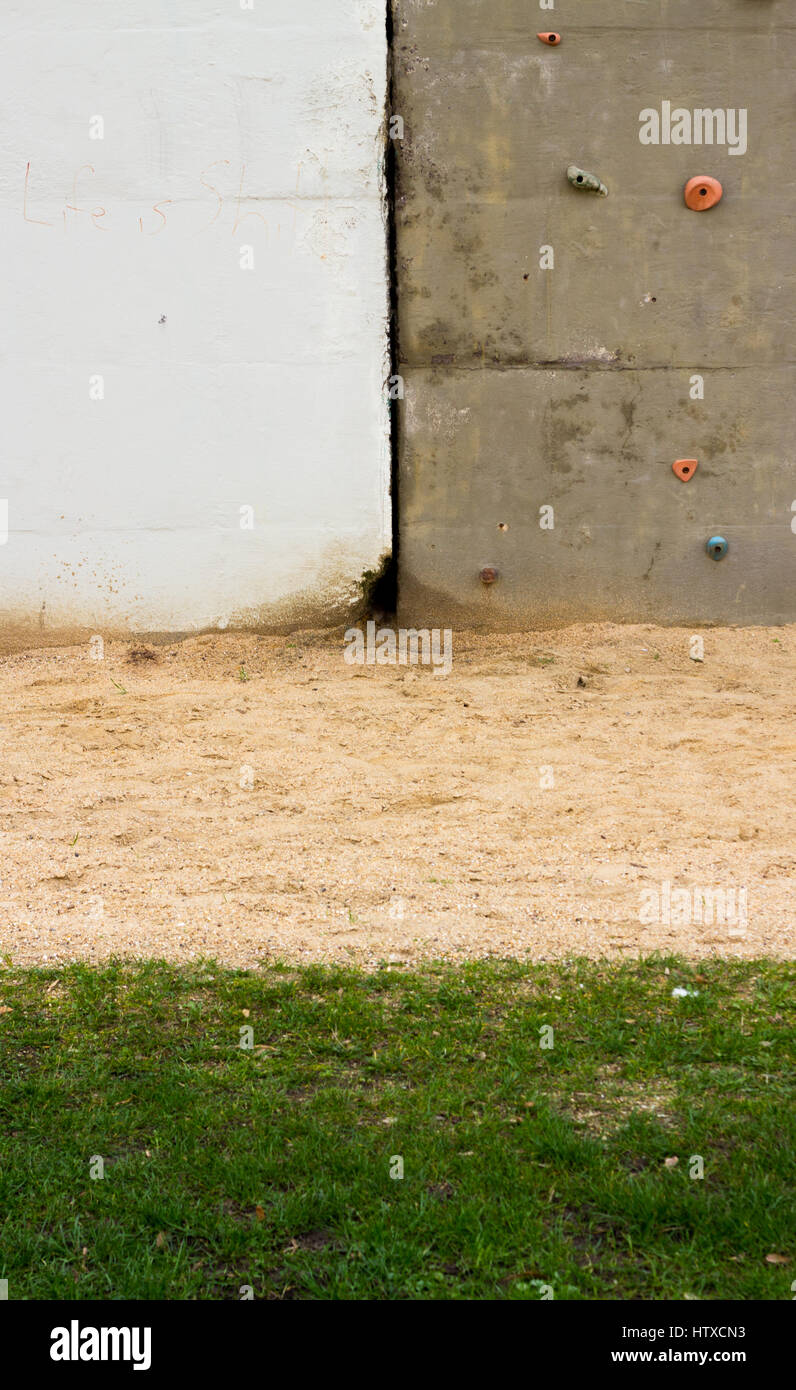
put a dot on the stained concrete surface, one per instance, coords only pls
(571, 386)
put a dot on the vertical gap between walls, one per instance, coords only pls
(390, 191)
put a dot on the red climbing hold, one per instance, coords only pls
(702, 193)
(549, 38)
(685, 469)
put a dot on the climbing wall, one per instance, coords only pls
(562, 350)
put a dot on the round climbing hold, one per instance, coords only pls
(488, 575)
(717, 547)
(549, 38)
(702, 193)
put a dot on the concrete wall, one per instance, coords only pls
(571, 387)
(225, 387)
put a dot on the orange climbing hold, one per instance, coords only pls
(685, 469)
(702, 193)
(549, 38)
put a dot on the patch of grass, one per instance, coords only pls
(524, 1164)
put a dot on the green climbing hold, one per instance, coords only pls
(589, 183)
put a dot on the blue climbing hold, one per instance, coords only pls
(717, 547)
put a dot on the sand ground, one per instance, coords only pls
(162, 805)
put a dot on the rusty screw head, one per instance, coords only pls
(488, 575)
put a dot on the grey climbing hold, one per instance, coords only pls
(589, 183)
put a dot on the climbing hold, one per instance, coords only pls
(702, 193)
(685, 469)
(590, 183)
(488, 574)
(717, 547)
(549, 38)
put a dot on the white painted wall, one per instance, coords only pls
(223, 387)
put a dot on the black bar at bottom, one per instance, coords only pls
(153, 1342)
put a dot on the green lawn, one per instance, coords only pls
(523, 1165)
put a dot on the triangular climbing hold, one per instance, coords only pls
(685, 469)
